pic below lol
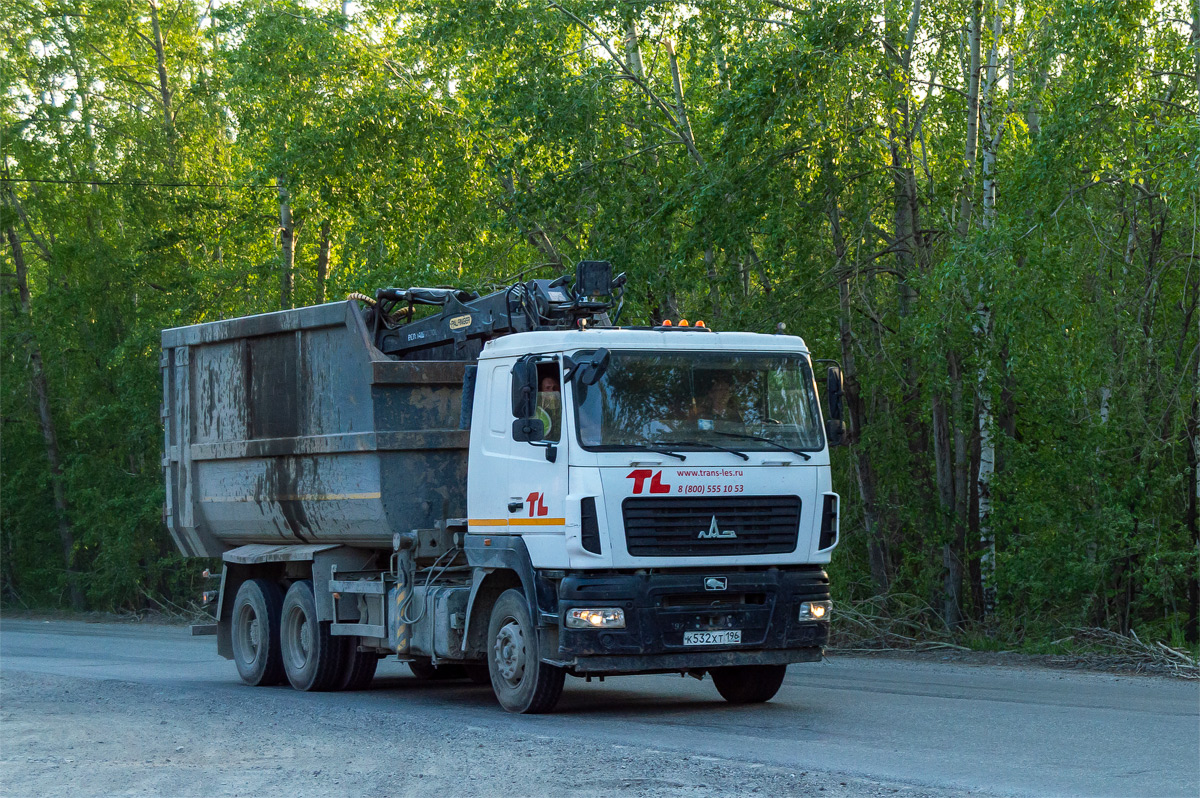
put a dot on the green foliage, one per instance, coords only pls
(468, 142)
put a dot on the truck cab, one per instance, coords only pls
(669, 506)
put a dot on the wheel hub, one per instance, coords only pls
(255, 633)
(248, 635)
(297, 639)
(305, 638)
(510, 653)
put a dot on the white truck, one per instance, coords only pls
(509, 488)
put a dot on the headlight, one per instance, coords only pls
(596, 618)
(815, 610)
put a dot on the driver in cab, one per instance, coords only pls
(718, 408)
(549, 406)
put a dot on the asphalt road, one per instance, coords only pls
(101, 709)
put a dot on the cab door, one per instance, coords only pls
(537, 474)
(491, 438)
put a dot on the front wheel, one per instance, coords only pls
(520, 680)
(748, 684)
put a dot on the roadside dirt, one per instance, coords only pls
(77, 737)
(1079, 663)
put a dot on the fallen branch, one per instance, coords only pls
(1104, 648)
(902, 622)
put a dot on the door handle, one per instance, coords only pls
(515, 506)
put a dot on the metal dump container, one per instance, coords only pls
(291, 427)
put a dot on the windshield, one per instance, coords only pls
(700, 400)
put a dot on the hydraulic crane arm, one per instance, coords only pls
(467, 320)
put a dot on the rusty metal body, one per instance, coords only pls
(292, 428)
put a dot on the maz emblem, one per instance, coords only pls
(715, 531)
(715, 583)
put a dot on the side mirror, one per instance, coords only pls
(591, 370)
(524, 388)
(835, 432)
(528, 429)
(833, 392)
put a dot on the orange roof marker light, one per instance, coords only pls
(701, 324)
(683, 322)
(666, 323)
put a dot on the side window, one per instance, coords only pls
(549, 400)
(500, 398)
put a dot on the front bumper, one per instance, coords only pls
(661, 607)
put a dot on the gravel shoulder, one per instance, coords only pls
(70, 736)
(99, 709)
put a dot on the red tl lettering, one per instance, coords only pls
(639, 477)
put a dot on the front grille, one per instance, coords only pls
(680, 527)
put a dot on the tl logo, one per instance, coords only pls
(639, 477)
(536, 502)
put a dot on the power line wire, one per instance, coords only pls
(137, 183)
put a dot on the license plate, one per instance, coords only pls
(723, 638)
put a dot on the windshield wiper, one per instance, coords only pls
(655, 446)
(777, 444)
(709, 444)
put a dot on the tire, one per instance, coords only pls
(424, 669)
(478, 672)
(255, 632)
(748, 684)
(312, 657)
(357, 668)
(521, 681)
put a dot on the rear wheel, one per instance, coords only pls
(358, 667)
(255, 632)
(520, 680)
(312, 657)
(748, 684)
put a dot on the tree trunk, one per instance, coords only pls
(984, 468)
(962, 466)
(685, 129)
(1196, 51)
(907, 241)
(66, 535)
(714, 290)
(633, 48)
(952, 461)
(1033, 116)
(684, 124)
(863, 469)
(966, 202)
(323, 262)
(764, 277)
(993, 130)
(951, 562)
(160, 60)
(287, 241)
(1192, 629)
